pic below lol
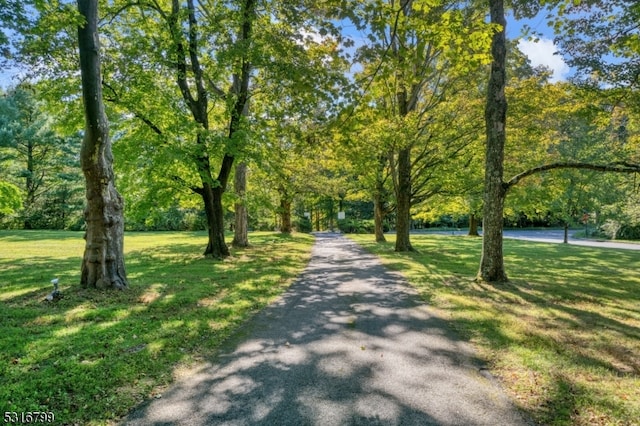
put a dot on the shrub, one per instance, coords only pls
(302, 224)
(356, 226)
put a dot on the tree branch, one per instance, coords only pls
(116, 99)
(149, 123)
(215, 89)
(182, 182)
(174, 28)
(193, 53)
(617, 167)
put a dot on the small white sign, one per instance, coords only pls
(307, 215)
(341, 215)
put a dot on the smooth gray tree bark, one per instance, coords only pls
(241, 228)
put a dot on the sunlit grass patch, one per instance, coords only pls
(563, 335)
(91, 356)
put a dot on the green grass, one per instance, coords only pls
(92, 356)
(563, 336)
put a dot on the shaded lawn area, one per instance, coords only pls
(563, 336)
(92, 356)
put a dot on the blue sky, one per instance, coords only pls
(542, 51)
(5, 77)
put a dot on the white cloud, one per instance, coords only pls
(541, 52)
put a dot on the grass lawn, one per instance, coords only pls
(92, 356)
(563, 336)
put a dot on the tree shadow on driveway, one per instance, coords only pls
(348, 344)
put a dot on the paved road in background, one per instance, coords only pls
(350, 343)
(550, 236)
(557, 236)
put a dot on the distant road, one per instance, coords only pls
(549, 236)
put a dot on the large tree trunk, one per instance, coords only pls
(285, 215)
(211, 193)
(378, 215)
(403, 198)
(217, 247)
(492, 262)
(103, 262)
(241, 229)
(473, 225)
(379, 199)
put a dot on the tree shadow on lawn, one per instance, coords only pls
(90, 356)
(576, 310)
(582, 353)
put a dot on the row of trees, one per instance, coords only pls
(301, 106)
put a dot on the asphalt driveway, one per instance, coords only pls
(349, 343)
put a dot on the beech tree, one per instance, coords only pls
(103, 262)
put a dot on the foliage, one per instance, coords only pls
(319, 131)
(10, 199)
(173, 218)
(555, 122)
(622, 220)
(40, 160)
(303, 224)
(600, 39)
(12, 15)
(415, 115)
(356, 226)
(225, 60)
(560, 337)
(92, 356)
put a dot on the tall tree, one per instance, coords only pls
(420, 52)
(26, 136)
(187, 57)
(103, 262)
(492, 261)
(212, 82)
